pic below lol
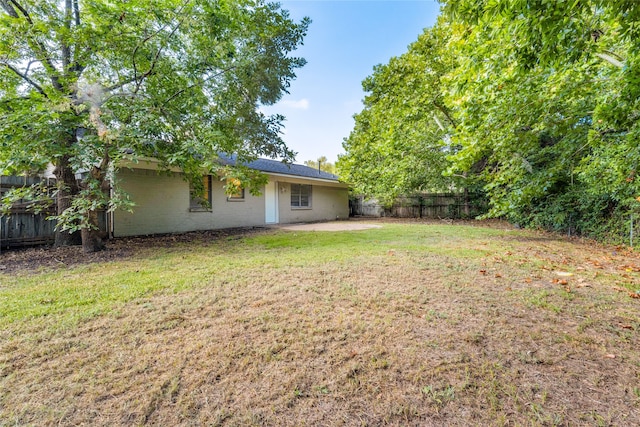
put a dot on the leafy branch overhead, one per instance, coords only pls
(84, 85)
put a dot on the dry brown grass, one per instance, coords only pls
(482, 331)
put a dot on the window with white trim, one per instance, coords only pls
(300, 196)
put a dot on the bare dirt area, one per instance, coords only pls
(410, 326)
(37, 258)
(40, 258)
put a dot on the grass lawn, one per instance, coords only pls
(410, 324)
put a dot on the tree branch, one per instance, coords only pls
(8, 8)
(21, 9)
(177, 94)
(76, 12)
(120, 84)
(38, 48)
(124, 94)
(66, 51)
(24, 77)
(70, 63)
(153, 63)
(181, 91)
(157, 55)
(444, 111)
(608, 56)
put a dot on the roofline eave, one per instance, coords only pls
(152, 164)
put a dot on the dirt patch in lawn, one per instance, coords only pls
(35, 259)
(472, 330)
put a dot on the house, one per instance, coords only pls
(163, 202)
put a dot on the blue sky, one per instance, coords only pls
(346, 39)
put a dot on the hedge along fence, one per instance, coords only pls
(429, 206)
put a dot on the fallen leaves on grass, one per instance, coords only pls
(421, 339)
(632, 294)
(596, 264)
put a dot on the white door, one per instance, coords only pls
(271, 203)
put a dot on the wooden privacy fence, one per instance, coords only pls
(23, 227)
(430, 206)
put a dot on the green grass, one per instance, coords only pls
(408, 324)
(87, 291)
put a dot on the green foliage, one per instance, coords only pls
(547, 99)
(535, 101)
(35, 197)
(84, 85)
(400, 140)
(239, 177)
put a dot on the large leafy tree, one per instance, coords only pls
(539, 103)
(547, 96)
(85, 84)
(399, 143)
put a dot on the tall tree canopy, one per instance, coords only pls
(542, 100)
(400, 140)
(84, 84)
(547, 96)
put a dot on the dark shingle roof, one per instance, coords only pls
(275, 166)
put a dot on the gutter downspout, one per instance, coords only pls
(111, 216)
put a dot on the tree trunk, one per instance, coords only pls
(91, 237)
(91, 233)
(67, 189)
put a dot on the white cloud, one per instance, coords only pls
(302, 104)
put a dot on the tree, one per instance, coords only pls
(535, 101)
(552, 32)
(322, 164)
(399, 143)
(85, 84)
(547, 94)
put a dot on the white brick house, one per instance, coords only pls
(163, 203)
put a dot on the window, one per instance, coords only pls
(300, 196)
(201, 203)
(235, 190)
